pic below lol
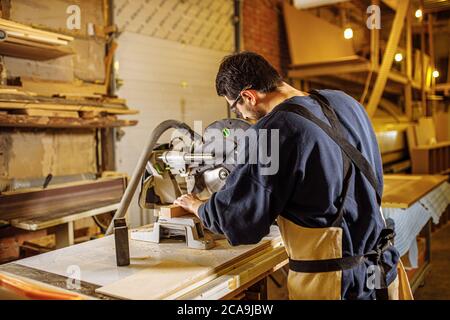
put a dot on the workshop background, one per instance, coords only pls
(84, 82)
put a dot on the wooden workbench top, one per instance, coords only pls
(402, 191)
(167, 270)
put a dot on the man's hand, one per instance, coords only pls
(189, 202)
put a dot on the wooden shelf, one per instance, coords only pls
(25, 42)
(10, 120)
(25, 49)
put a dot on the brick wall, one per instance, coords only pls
(263, 31)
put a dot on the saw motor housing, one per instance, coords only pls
(187, 166)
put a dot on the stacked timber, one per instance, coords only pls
(25, 109)
(22, 41)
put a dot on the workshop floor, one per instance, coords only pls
(437, 282)
(277, 291)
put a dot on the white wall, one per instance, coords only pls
(163, 79)
(168, 56)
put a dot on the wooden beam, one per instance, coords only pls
(6, 8)
(356, 64)
(393, 4)
(69, 198)
(375, 44)
(409, 65)
(422, 59)
(388, 57)
(432, 59)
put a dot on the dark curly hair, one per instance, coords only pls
(246, 70)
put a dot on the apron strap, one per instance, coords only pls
(351, 151)
(330, 114)
(350, 155)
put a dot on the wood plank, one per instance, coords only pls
(328, 40)
(50, 88)
(11, 25)
(442, 125)
(68, 199)
(47, 113)
(30, 289)
(402, 191)
(24, 121)
(32, 99)
(434, 146)
(25, 49)
(426, 131)
(355, 65)
(39, 223)
(7, 104)
(165, 277)
(172, 211)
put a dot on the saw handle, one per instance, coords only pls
(142, 162)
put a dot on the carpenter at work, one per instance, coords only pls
(325, 196)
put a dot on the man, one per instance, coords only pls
(325, 197)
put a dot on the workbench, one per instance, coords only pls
(224, 272)
(414, 202)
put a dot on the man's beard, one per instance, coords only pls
(255, 115)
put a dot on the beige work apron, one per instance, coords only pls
(319, 244)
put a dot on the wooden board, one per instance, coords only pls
(39, 223)
(50, 88)
(322, 42)
(68, 199)
(11, 105)
(24, 49)
(426, 132)
(30, 31)
(171, 211)
(46, 113)
(165, 275)
(8, 120)
(442, 124)
(402, 191)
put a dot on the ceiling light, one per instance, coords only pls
(418, 14)
(398, 57)
(348, 33)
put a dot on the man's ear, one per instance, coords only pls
(250, 97)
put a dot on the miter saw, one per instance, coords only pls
(189, 163)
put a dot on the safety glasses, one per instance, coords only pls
(234, 104)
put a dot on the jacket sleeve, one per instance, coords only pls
(245, 208)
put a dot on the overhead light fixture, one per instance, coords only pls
(348, 33)
(436, 74)
(398, 57)
(418, 13)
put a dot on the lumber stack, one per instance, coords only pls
(25, 42)
(25, 109)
